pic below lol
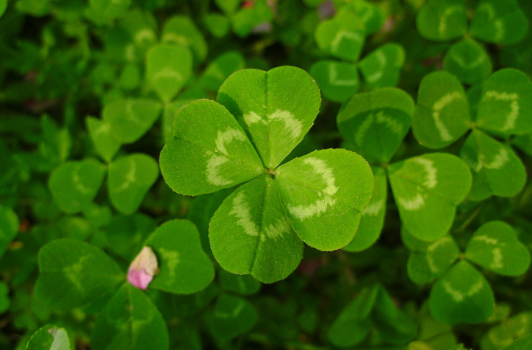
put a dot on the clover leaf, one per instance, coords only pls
(9, 225)
(259, 118)
(49, 337)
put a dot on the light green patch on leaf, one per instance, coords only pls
(442, 20)
(182, 31)
(102, 137)
(250, 233)
(506, 103)
(218, 25)
(184, 266)
(337, 80)
(468, 61)
(209, 151)
(75, 184)
(232, 315)
(499, 22)
(428, 260)
(168, 68)
(130, 119)
(324, 194)
(49, 337)
(74, 273)
(130, 178)
(427, 190)
(492, 164)
(462, 294)
(9, 224)
(376, 122)
(495, 247)
(342, 36)
(276, 108)
(130, 321)
(382, 67)
(373, 215)
(220, 69)
(442, 111)
(245, 285)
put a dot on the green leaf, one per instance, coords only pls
(4, 297)
(8, 228)
(232, 316)
(126, 234)
(506, 104)
(218, 25)
(370, 14)
(49, 337)
(106, 144)
(209, 151)
(220, 69)
(442, 111)
(184, 266)
(382, 67)
(523, 343)
(245, 285)
(373, 215)
(376, 122)
(462, 294)
(75, 184)
(250, 233)
(428, 260)
(130, 321)
(337, 80)
(168, 68)
(324, 194)
(442, 20)
(170, 111)
(342, 36)
(247, 19)
(228, 6)
(277, 108)
(110, 9)
(353, 324)
(74, 273)
(3, 6)
(468, 61)
(130, 178)
(499, 22)
(130, 77)
(492, 165)
(524, 143)
(511, 328)
(495, 247)
(427, 190)
(181, 30)
(131, 118)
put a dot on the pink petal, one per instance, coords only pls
(139, 278)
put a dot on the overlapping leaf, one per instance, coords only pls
(337, 80)
(442, 20)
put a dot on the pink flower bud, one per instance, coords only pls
(143, 268)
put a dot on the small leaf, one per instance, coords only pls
(373, 215)
(277, 108)
(220, 69)
(506, 104)
(232, 316)
(337, 80)
(182, 31)
(209, 151)
(442, 20)
(247, 19)
(342, 36)
(428, 260)
(369, 13)
(218, 25)
(250, 233)
(492, 165)
(130, 77)
(523, 343)
(131, 119)
(376, 122)
(427, 190)
(510, 329)
(130, 321)
(499, 22)
(245, 285)
(382, 67)
(324, 194)
(73, 274)
(495, 247)
(49, 337)
(442, 111)
(168, 68)
(75, 184)
(184, 266)
(106, 144)
(8, 228)
(462, 294)
(468, 61)
(130, 178)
